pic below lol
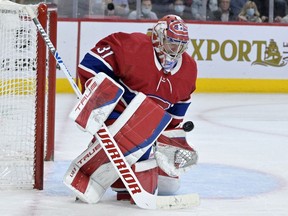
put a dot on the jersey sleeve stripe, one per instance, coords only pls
(94, 64)
(101, 59)
(179, 109)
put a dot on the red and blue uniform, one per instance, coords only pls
(131, 61)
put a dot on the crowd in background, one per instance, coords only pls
(202, 10)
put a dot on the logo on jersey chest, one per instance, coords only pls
(163, 103)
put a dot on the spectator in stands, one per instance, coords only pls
(109, 8)
(188, 3)
(121, 8)
(224, 13)
(146, 11)
(162, 7)
(280, 9)
(96, 8)
(181, 10)
(197, 10)
(282, 19)
(263, 8)
(237, 5)
(250, 13)
(212, 5)
(132, 4)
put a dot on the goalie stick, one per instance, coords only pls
(142, 198)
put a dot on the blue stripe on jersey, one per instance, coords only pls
(96, 65)
(128, 95)
(179, 109)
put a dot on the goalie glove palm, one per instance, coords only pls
(173, 154)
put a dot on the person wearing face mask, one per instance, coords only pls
(146, 11)
(250, 13)
(180, 9)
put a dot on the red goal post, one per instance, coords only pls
(27, 95)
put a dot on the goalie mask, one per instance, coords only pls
(170, 40)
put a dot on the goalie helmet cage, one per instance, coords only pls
(27, 95)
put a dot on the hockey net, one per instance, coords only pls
(27, 96)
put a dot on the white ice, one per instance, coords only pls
(242, 142)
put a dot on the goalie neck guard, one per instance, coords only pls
(170, 40)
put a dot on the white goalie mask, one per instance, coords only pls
(170, 40)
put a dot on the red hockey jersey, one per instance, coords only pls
(130, 60)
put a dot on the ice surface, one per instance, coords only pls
(242, 141)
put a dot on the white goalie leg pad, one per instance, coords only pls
(131, 137)
(78, 176)
(98, 101)
(173, 154)
(91, 173)
(167, 185)
(84, 187)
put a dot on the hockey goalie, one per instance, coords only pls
(140, 86)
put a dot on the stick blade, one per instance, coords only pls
(178, 201)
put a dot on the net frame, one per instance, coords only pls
(45, 100)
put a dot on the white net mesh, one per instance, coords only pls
(18, 50)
